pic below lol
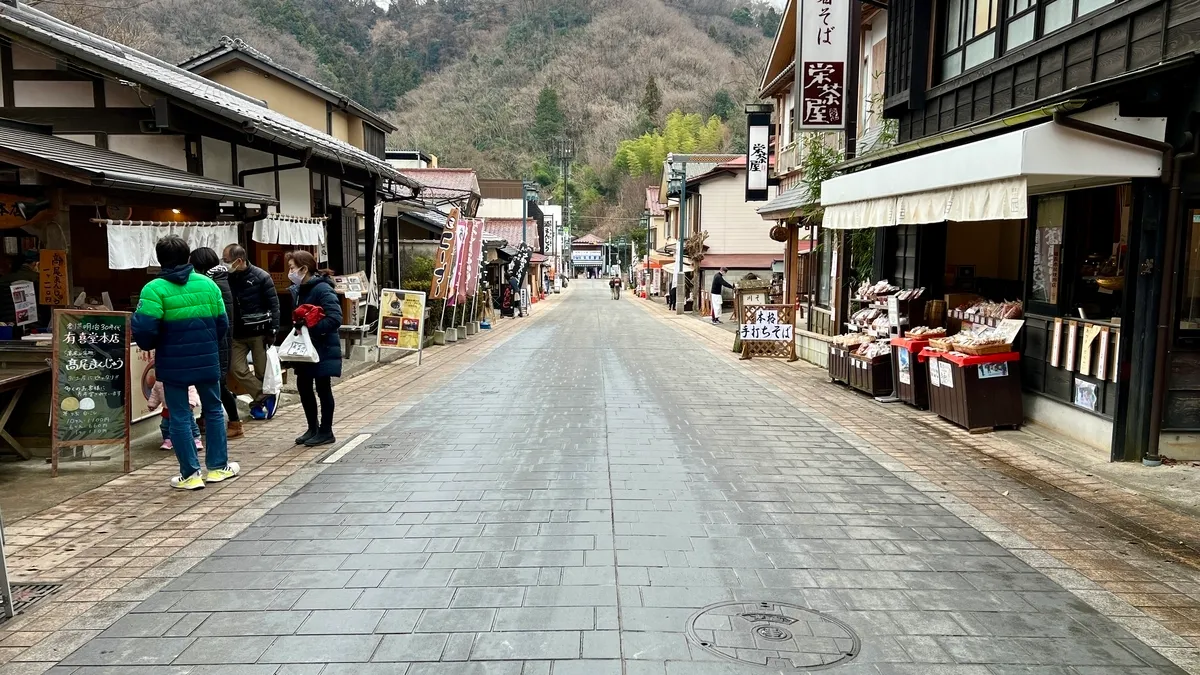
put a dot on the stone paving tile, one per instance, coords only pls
(575, 522)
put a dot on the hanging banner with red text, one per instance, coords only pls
(460, 257)
(824, 39)
(443, 266)
(474, 259)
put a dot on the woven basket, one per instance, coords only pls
(943, 343)
(984, 351)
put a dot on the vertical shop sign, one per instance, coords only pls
(443, 269)
(90, 371)
(475, 261)
(758, 156)
(462, 232)
(824, 39)
(52, 269)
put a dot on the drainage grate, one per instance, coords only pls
(25, 596)
(776, 635)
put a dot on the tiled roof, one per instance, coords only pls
(445, 183)
(588, 238)
(105, 168)
(509, 229)
(129, 64)
(230, 45)
(654, 206)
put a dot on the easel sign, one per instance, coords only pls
(402, 321)
(90, 400)
(768, 331)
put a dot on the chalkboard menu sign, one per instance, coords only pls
(91, 380)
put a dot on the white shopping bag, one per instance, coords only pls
(299, 347)
(273, 377)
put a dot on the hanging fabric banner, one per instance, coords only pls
(461, 233)
(474, 249)
(443, 266)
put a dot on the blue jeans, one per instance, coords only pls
(165, 427)
(216, 456)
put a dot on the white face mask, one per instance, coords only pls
(296, 277)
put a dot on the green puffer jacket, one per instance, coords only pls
(181, 315)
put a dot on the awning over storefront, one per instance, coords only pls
(739, 261)
(87, 164)
(280, 228)
(991, 179)
(786, 205)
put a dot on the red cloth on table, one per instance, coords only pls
(913, 345)
(309, 315)
(968, 359)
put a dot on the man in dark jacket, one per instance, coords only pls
(205, 261)
(718, 299)
(255, 322)
(180, 315)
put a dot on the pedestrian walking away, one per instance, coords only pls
(615, 285)
(206, 261)
(317, 308)
(717, 299)
(181, 316)
(255, 323)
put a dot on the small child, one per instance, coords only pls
(156, 399)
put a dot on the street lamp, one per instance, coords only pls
(645, 223)
(678, 182)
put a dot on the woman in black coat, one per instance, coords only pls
(205, 261)
(314, 287)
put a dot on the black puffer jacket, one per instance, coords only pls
(220, 276)
(253, 293)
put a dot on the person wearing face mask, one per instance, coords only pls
(255, 322)
(314, 287)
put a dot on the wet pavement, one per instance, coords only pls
(604, 494)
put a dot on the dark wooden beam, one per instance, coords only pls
(83, 120)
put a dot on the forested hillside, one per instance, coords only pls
(463, 78)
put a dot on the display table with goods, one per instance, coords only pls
(870, 311)
(909, 373)
(979, 391)
(871, 368)
(840, 348)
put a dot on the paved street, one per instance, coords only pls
(585, 501)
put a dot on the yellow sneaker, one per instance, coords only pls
(193, 482)
(230, 471)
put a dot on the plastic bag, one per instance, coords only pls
(298, 347)
(273, 377)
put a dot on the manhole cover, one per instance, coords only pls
(773, 635)
(25, 596)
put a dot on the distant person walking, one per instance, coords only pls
(614, 284)
(717, 298)
(318, 308)
(206, 262)
(671, 293)
(180, 315)
(255, 322)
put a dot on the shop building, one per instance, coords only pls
(107, 149)
(587, 255)
(1044, 168)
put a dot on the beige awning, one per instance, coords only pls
(997, 200)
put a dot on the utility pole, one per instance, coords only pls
(681, 176)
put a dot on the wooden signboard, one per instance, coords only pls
(90, 401)
(768, 331)
(52, 268)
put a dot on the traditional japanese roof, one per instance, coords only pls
(509, 229)
(445, 184)
(230, 49)
(90, 165)
(729, 168)
(126, 63)
(589, 239)
(787, 204)
(654, 206)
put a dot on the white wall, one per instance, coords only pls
(500, 208)
(25, 59)
(733, 224)
(53, 94)
(165, 149)
(249, 158)
(86, 139)
(117, 95)
(218, 160)
(295, 198)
